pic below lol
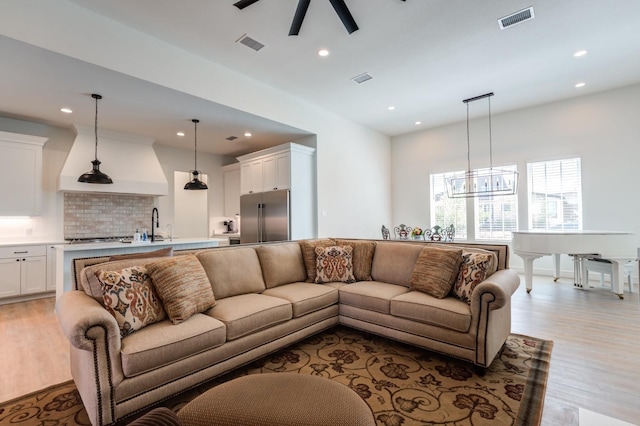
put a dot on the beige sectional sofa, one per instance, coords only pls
(263, 302)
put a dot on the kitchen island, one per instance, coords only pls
(66, 253)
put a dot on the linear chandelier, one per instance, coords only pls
(484, 182)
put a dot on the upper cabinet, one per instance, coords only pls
(20, 174)
(231, 177)
(271, 169)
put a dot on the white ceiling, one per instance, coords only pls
(426, 56)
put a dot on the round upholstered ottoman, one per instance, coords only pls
(277, 399)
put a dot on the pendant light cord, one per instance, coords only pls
(490, 145)
(195, 141)
(468, 143)
(96, 124)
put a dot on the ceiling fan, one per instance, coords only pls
(340, 7)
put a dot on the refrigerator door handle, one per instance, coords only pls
(259, 230)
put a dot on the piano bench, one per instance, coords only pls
(604, 267)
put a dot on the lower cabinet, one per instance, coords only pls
(23, 270)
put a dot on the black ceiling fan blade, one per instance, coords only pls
(244, 3)
(301, 10)
(345, 16)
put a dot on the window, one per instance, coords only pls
(495, 216)
(447, 211)
(555, 195)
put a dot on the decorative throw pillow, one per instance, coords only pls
(475, 268)
(334, 264)
(130, 297)
(183, 286)
(362, 257)
(308, 248)
(436, 270)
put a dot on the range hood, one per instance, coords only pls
(129, 160)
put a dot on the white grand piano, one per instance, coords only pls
(618, 247)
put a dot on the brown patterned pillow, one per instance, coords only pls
(362, 257)
(183, 286)
(436, 270)
(129, 296)
(475, 268)
(308, 248)
(334, 264)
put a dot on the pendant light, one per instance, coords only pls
(486, 182)
(95, 175)
(195, 183)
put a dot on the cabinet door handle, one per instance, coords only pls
(275, 188)
(21, 252)
(17, 260)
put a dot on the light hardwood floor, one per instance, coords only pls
(595, 362)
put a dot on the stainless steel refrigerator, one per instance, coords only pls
(265, 217)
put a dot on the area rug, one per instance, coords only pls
(402, 384)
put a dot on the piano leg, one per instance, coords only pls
(617, 278)
(556, 267)
(528, 268)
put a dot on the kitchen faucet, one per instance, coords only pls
(155, 213)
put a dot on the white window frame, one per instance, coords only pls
(504, 206)
(439, 200)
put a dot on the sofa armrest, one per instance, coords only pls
(79, 313)
(495, 290)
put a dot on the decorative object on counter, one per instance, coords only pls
(95, 175)
(386, 235)
(479, 182)
(136, 236)
(416, 233)
(437, 233)
(195, 183)
(402, 232)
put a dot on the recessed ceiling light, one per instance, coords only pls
(323, 52)
(66, 110)
(417, 123)
(580, 53)
(391, 107)
(180, 133)
(581, 84)
(247, 134)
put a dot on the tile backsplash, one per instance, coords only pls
(94, 215)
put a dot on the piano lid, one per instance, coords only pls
(609, 244)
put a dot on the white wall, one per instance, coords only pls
(352, 161)
(603, 129)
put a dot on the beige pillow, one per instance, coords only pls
(436, 270)
(130, 297)
(183, 286)
(334, 264)
(475, 268)
(309, 255)
(281, 264)
(164, 252)
(363, 252)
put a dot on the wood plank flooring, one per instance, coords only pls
(595, 362)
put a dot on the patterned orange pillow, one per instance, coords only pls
(334, 264)
(130, 297)
(475, 268)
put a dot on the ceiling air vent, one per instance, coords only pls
(249, 42)
(232, 138)
(362, 78)
(516, 18)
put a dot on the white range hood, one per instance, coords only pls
(129, 160)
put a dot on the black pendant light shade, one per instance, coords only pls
(95, 175)
(195, 183)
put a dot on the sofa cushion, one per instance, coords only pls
(232, 271)
(163, 343)
(305, 297)
(475, 268)
(448, 313)
(308, 248)
(393, 262)
(371, 295)
(183, 286)
(362, 257)
(130, 297)
(334, 264)
(281, 264)
(436, 271)
(163, 252)
(248, 313)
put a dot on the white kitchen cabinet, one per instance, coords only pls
(23, 270)
(276, 172)
(231, 178)
(251, 176)
(20, 158)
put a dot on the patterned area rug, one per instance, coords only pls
(402, 384)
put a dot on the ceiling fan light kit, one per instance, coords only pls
(486, 182)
